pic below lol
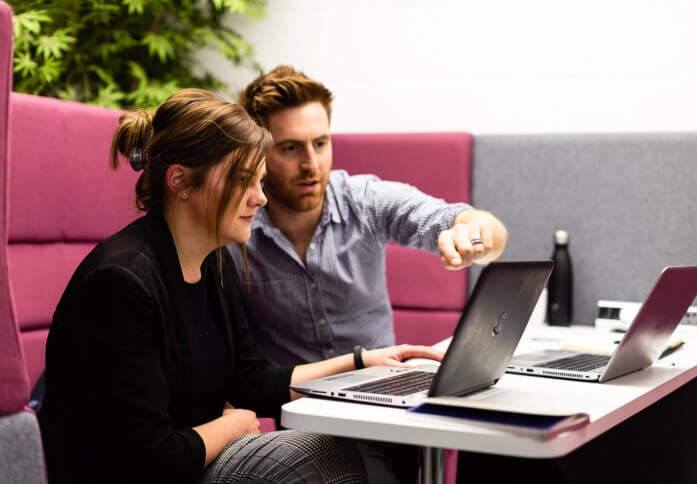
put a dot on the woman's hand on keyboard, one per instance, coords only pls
(397, 355)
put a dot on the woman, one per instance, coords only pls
(151, 372)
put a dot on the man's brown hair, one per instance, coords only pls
(281, 88)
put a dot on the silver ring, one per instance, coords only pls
(476, 240)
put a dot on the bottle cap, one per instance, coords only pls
(561, 237)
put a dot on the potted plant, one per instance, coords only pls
(123, 53)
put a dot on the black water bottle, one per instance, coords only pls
(559, 301)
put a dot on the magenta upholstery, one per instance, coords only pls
(21, 451)
(427, 300)
(14, 389)
(63, 199)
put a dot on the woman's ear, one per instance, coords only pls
(177, 180)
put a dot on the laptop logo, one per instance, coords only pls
(498, 327)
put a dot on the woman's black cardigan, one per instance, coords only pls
(117, 405)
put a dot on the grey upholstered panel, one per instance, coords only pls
(628, 200)
(21, 454)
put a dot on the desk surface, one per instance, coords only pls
(607, 404)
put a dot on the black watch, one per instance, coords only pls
(358, 357)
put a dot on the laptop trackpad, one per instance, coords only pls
(541, 356)
(350, 378)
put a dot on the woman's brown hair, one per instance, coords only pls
(193, 128)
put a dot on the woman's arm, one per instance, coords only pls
(218, 433)
(391, 356)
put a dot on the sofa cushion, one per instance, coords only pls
(62, 189)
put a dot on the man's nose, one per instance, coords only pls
(309, 161)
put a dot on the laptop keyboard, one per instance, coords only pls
(579, 362)
(401, 384)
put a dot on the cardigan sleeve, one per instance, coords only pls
(127, 386)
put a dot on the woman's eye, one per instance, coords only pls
(243, 180)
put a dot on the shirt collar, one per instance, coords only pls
(335, 207)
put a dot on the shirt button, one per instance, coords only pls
(313, 285)
(331, 351)
(322, 321)
(312, 246)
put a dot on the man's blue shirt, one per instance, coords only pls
(337, 298)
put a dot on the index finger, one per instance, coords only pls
(448, 251)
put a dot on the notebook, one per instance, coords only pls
(487, 333)
(645, 339)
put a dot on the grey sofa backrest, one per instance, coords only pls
(628, 201)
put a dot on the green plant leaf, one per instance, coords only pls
(49, 71)
(251, 8)
(138, 72)
(68, 94)
(54, 45)
(232, 46)
(135, 7)
(151, 95)
(104, 76)
(30, 22)
(159, 46)
(24, 65)
(233, 6)
(109, 96)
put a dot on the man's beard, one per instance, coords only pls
(287, 194)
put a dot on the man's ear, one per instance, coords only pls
(177, 180)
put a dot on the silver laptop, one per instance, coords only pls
(646, 338)
(489, 329)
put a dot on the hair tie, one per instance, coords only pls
(137, 159)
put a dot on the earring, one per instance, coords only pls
(185, 195)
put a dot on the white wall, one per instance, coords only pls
(488, 66)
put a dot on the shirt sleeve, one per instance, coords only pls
(402, 213)
(127, 387)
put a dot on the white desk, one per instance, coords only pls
(608, 404)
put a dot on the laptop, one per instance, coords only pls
(641, 346)
(487, 333)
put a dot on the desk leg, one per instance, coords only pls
(432, 465)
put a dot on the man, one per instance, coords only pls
(316, 254)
